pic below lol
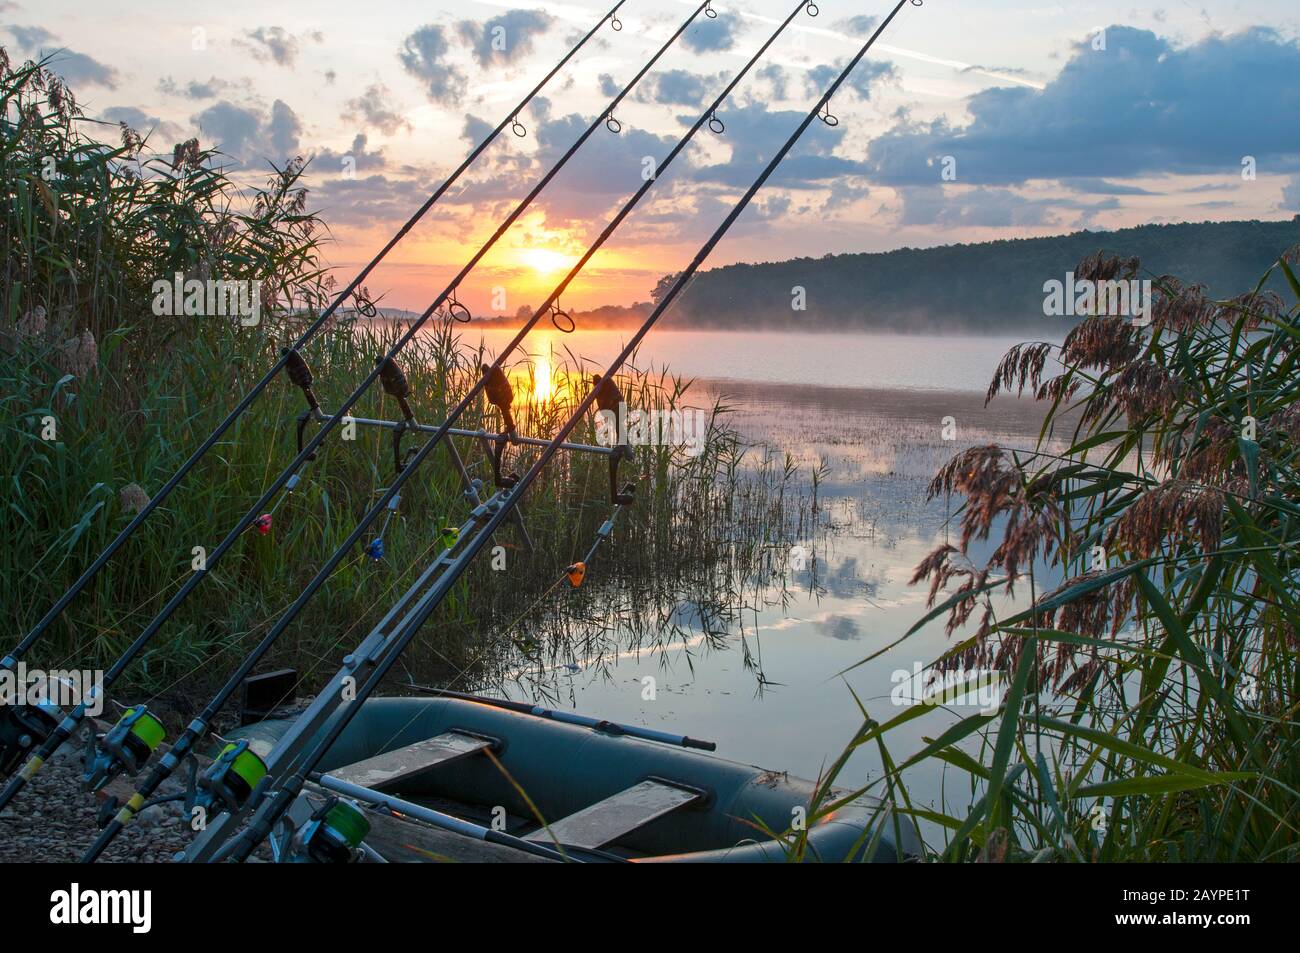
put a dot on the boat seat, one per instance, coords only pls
(617, 816)
(393, 768)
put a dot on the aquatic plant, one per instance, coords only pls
(1150, 706)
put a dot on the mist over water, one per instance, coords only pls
(869, 411)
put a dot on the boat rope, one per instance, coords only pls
(10, 660)
(286, 783)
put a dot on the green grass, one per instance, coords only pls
(131, 394)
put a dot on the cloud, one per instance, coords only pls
(284, 130)
(861, 81)
(364, 201)
(1094, 186)
(755, 132)
(78, 69)
(372, 107)
(986, 207)
(712, 35)
(31, 37)
(142, 122)
(422, 55)
(357, 158)
(506, 38)
(250, 135)
(1140, 106)
(859, 25)
(678, 87)
(276, 44)
(197, 89)
(1291, 195)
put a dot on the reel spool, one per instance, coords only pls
(231, 779)
(126, 747)
(24, 728)
(333, 835)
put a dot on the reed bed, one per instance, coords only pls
(87, 228)
(1150, 697)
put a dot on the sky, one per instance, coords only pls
(966, 122)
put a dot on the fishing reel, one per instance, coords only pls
(332, 835)
(124, 748)
(23, 729)
(230, 780)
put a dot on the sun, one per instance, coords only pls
(545, 261)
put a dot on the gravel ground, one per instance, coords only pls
(53, 821)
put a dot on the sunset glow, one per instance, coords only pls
(546, 261)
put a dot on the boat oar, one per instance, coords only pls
(572, 718)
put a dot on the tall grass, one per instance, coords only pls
(87, 228)
(1151, 696)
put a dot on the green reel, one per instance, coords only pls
(334, 834)
(231, 779)
(126, 747)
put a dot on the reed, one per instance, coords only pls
(87, 228)
(1150, 672)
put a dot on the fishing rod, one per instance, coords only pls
(288, 356)
(277, 799)
(195, 730)
(383, 366)
(571, 718)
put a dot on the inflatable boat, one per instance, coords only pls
(596, 786)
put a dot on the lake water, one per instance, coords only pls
(779, 691)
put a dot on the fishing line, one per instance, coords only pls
(69, 723)
(11, 659)
(186, 740)
(273, 807)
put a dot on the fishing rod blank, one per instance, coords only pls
(185, 742)
(274, 804)
(74, 718)
(10, 660)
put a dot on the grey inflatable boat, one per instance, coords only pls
(598, 788)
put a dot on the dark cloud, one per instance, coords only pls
(755, 132)
(860, 25)
(78, 69)
(506, 38)
(1094, 186)
(276, 44)
(142, 122)
(374, 107)
(710, 36)
(31, 37)
(864, 77)
(608, 86)
(284, 130)
(422, 55)
(678, 87)
(248, 134)
(364, 201)
(1140, 106)
(357, 158)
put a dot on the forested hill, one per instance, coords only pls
(991, 285)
